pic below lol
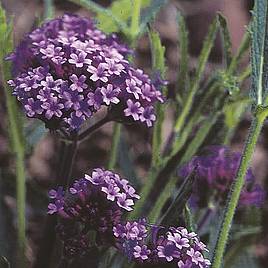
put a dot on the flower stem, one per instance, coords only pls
(21, 199)
(16, 136)
(84, 135)
(49, 9)
(115, 143)
(46, 248)
(234, 194)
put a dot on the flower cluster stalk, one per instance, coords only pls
(237, 185)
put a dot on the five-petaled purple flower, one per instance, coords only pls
(146, 243)
(94, 203)
(67, 64)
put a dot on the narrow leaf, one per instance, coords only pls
(259, 52)
(158, 62)
(183, 78)
(175, 209)
(149, 13)
(227, 45)
(203, 58)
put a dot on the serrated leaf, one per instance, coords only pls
(122, 10)
(259, 52)
(175, 209)
(227, 44)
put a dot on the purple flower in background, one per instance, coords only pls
(169, 245)
(215, 172)
(93, 203)
(73, 69)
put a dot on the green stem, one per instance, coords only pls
(135, 20)
(15, 129)
(115, 143)
(21, 199)
(49, 9)
(203, 58)
(255, 129)
(189, 218)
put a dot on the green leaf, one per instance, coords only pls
(183, 78)
(158, 53)
(158, 62)
(120, 9)
(149, 13)
(172, 214)
(15, 128)
(259, 52)
(243, 48)
(233, 111)
(106, 13)
(227, 45)
(203, 58)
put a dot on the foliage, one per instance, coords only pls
(201, 102)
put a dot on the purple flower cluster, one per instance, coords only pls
(94, 203)
(215, 172)
(66, 70)
(162, 245)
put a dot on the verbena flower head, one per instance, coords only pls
(215, 172)
(66, 70)
(94, 203)
(146, 243)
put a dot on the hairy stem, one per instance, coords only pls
(234, 194)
